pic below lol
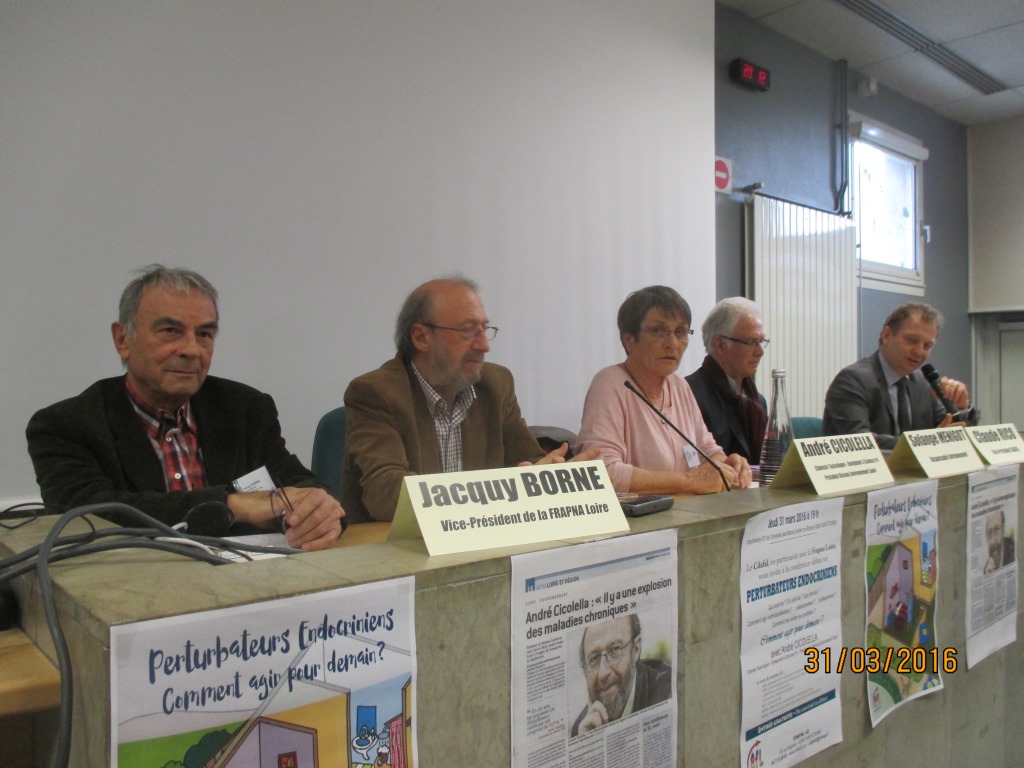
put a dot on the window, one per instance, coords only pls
(887, 171)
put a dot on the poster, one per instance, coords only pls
(992, 524)
(900, 656)
(594, 650)
(791, 633)
(320, 679)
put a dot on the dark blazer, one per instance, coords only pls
(93, 448)
(653, 684)
(722, 418)
(858, 401)
(390, 435)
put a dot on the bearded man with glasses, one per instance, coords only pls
(436, 406)
(619, 681)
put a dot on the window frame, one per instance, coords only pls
(875, 274)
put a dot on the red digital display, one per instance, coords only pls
(750, 74)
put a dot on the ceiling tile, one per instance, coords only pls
(979, 110)
(946, 20)
(830, 29)
(998, 52)
(920, 78)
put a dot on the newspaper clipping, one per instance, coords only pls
(789, 587)
(594, 638)
(992, 564)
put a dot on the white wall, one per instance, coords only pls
(318, 159)
(995, 171)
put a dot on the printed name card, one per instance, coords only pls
(998, 444)
(470, 511)
(936, 452)
(836, 464)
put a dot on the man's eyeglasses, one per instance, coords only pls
(469, 334)
(613, 654)
(660, 333)
(762, 343)
(280, 507)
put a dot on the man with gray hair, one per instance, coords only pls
(165, 437)
(436, 406)
(724, 386)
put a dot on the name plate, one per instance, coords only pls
(836, 464)
(484, 509)
(936, 452)
(999, 444)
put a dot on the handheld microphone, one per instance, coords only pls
(934, 381)
(678, 431)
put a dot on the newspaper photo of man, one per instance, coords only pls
(619, 681)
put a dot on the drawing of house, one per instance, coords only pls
(266, 743)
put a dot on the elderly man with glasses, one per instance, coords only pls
(619, 682)
(724, 386)
(436, 406)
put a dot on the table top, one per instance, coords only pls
(364, 533)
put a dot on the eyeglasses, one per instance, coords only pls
(660, 333)
(280, 507)
(613, 654)
(762, 343)
(469, 334)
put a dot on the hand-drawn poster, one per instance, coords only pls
(992, 524)
(790, 608)
(594, 631)
(900, 655)
(326, 679)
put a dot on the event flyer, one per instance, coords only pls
(900, 655)
(790, 608)
(594, 641)
(320, 679)
(992, 524)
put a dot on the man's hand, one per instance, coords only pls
(596, 716)
(955, 391)
(947, 421)
(313, 523)
(742, 468)
(315, 519)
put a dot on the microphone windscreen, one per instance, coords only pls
(210, 518)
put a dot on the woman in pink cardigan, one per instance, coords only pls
(642, 452)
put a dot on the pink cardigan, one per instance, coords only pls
(630, 434)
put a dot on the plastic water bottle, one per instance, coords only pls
(778, 433)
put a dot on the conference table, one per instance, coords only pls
(463, 633)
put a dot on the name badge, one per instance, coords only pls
(257, 480)
(691, 456)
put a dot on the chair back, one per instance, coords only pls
(807, 426)
(329, 449)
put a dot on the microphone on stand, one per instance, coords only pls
(678, 431)
(934, 381)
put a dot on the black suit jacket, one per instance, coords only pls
(858, 401)
(93, 448)
(722, 417)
